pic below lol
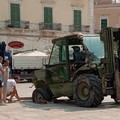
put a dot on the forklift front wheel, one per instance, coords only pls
(88, 90)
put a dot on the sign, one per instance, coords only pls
(16, 44)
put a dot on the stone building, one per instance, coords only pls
(107, 14)
(36, 22)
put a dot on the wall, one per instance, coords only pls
(111, 11)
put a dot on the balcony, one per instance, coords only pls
(27, 28)
(75, 28)
(17, 24)
(50, 26)
(103, 1)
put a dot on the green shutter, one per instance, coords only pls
(77, 20)
(48, 17)
(103, 23)
(15, 15)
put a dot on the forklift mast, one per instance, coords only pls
(111, 38)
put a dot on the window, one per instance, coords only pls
(58, 53)
(104, 23)
(77, 20)
(15, 15)
(95, 47)
(48, 18)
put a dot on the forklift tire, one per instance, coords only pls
(88, 90)
(41, 95)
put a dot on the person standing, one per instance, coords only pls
(6, 77)
(6, 65)
(11, 90)
(1, 79)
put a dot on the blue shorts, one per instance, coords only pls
(0, 83)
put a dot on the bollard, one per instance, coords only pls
(5, 84)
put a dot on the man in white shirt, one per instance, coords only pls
(11, 90)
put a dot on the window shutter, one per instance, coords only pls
(48, 17)
(77, 20)
(15, 15)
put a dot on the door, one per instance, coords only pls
(58, 62)
(60, 83)
(48, 18)
(77, 20)
(104, 23)
(15, 15)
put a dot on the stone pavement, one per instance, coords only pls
(63, 110)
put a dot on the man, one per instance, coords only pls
(78, 57)
(6, 65)
(11, 90)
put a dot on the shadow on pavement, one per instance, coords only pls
(67, 105)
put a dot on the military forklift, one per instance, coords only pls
(85, 68)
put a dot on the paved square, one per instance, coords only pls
(63, 110)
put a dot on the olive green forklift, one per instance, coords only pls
(85, 79)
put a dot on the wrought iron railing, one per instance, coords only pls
(103, 1)
(78, 28)
(43, 26)
(50, 26)
(17, 24)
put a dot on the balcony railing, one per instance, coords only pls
(17, 24)
(75, 28)
(43, 26)
(50, 26)
(103, 1)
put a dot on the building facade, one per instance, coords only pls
(36, 22)
(107, 14)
